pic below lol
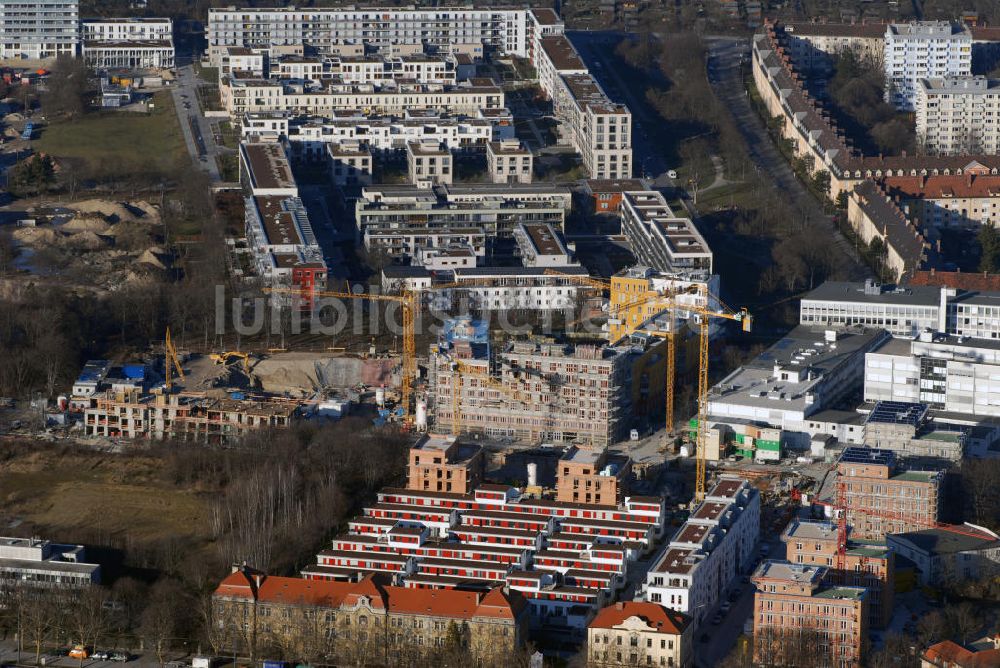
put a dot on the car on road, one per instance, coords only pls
(100, 655)
(121, 657)
(671, 173)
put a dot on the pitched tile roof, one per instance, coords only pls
(658, 618)
(948, 653)
(974, 282)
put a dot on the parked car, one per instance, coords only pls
(671, 173)
(78, 652)
(101, 655)
(121, 657)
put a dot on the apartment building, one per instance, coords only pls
(370, 617)
(509, 161)
(871, 566)
(39, 29)
(809, 371)
(245, 93)
(265, 170)
(351, 163)
(599, 129)
(185, 416)
(592, 475)
(875, 216)
(881, 497)
(958, 115)
(796, 613)
(566, 559)
(133, 43)
(943, 371)
(476, 32)
(35, 562)
(638, 295)
(814, 46)
(532, 288)
(923, 50)
(283, 247)
(659, 238)
(542, 245)
(967, 201)
(534, 391)
(370, 69)
(709, 551)
(415, 242)
(429, 163)
(443, 464)
(637, 633)
(386, 216)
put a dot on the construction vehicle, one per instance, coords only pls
(409, 302)
(226, 357)
(170, 360)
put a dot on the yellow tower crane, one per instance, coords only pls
(409, 302)
(170, 361)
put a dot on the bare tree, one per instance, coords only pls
(159, 619)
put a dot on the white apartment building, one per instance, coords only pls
(599, 129)
(968, 200)
(959, 115)
(710, 550)
(659, 238)
(392, 217)
(420, 68)
(541, 245)
(241, 59)
(429, 163)
(309, 136)
(904, 311)
(350, 164)
(39, 29)
(265, 170)
(282, 242)
(471, 30)
(949, 373)
(923, 50)
(242, 95)
(515, 288)
(410, 242)
(128, 43)
(509, 161)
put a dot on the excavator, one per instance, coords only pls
(226, 357)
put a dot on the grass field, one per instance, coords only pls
(119, 138)
(83, 496)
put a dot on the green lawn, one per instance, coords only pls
(122, 138)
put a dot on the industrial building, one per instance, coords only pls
(788, 386)
(35, 562)
(710, 550)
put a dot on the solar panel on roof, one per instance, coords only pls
(857, 455)
(898, 412)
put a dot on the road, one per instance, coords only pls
(727, 81)
(196, 129)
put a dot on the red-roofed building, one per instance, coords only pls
(637, 633)
(948, 654)
(255, 611)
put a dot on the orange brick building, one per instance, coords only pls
(795, 612)
(868, 565)
(588, 475)
(881, 497)
(442, 464)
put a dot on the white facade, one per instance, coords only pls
(923, 50)
(947, 373)
(516, 288)
(429, 163)
(509, 161)
(542, 246)
(709, 551)
(41, 563)
(310, 136)
(502, 30)
(660, 239)
(39, 29)
(350, 164)
(126, 29)
(958, 115)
